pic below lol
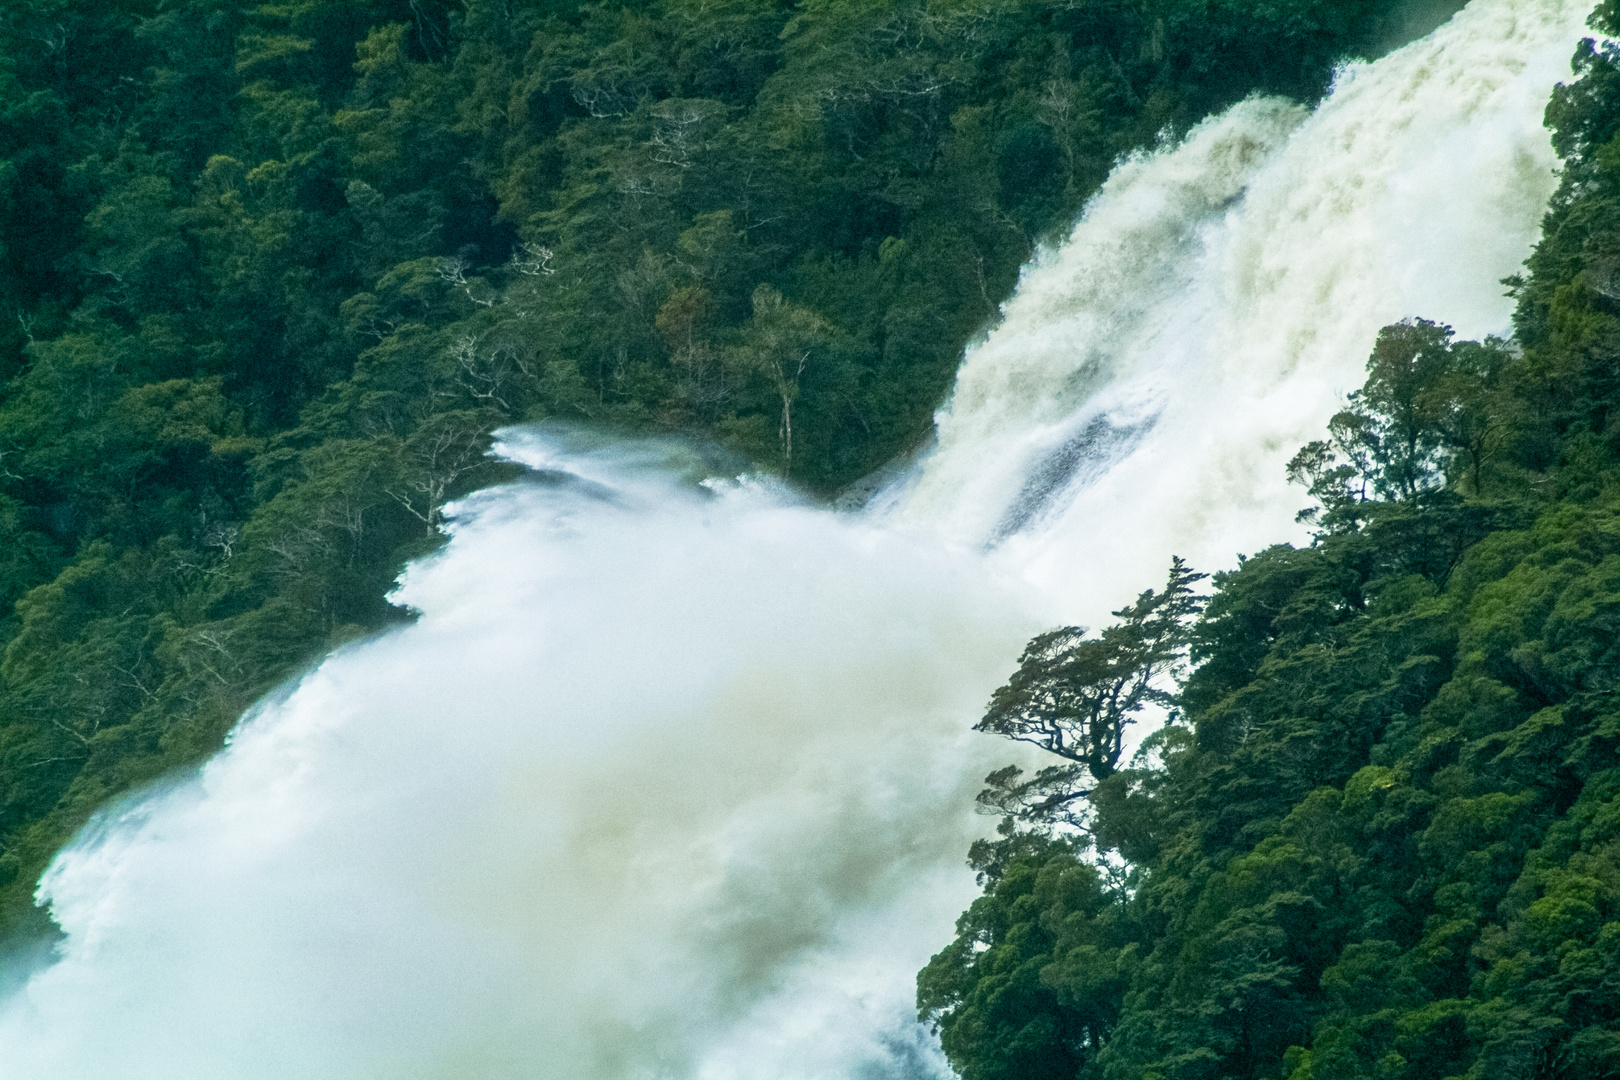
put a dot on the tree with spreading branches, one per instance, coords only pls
(1074, 695)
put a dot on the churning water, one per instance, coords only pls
(673, 779)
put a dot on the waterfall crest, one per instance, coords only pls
(1225, 293)
(673, 779)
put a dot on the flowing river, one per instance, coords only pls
(673, 776)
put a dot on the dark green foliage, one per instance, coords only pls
(1039, 962)
(1381, 840)
(1074, 697)
(1432, 412)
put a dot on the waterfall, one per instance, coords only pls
(673, 777)
(1151, 378)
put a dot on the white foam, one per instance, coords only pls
(1230, 290)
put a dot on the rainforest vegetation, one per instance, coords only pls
(1381, 836)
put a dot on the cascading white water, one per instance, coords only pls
(1152, 377)
(675, 781)
(637, 796)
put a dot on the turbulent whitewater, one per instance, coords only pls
(672, 777)
(1152, 377)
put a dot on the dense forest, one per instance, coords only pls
(1380, 837)
(271, 273)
